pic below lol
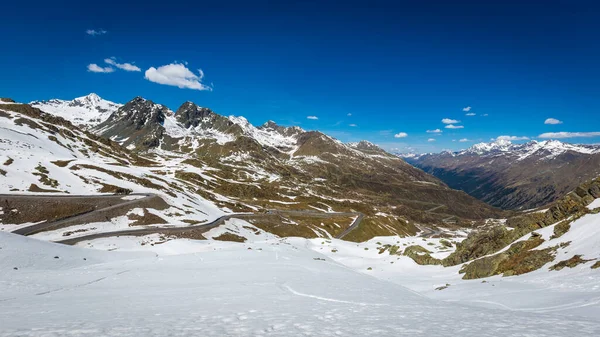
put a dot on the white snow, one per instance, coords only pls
(210, 288)
(86, 111)
(268, 136)
(548, 149)
(594, 204)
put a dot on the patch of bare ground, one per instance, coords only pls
(37, 189)
(62, 163)
(230, 237)
(82, 230)
(8, 161)
(146, 219)
(5, 115)
(108, 188)
(191, 222)
(572, 262)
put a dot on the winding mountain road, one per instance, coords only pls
(207, 226)
(30, 230)
(137, 200)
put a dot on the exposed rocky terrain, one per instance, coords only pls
(514, 176)
(206, 165)
(193, 177)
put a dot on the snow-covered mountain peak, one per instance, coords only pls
(498, 145)
(85, 111)
(546, 149)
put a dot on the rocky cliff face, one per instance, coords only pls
(136, 125)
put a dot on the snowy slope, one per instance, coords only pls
(86, 111)
(227, 289)
(29, 147)
(570, 291)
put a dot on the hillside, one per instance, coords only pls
(206, 166)
(514, 176)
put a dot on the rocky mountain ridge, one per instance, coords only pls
(234, 166)
(514, 176)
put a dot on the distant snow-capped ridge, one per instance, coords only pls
(546, 149)
(553, 146)
(86, 111)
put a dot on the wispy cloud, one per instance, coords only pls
(312, 117)
(470, 114)
(512, 138)
(94, 68)
(349, 114)
(450, 121)
(435, 131)
(552, 121)
(177, 75)
(353, 125)
(401, 135)
(431, 140)
(467, 109)
(464, 140)
(94, 32)
(558, 135)
(452, 126)
(125, 66)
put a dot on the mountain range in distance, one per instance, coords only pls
(200, 161)
(514, 176)
(502, 174)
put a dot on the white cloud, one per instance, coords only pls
(94, 68)
(312, 117)
(94, 32)
(349, 114)
(552, 121)
(470, 114)
(512, 138)
(464, 140)
(401, 135)
(125, 66)
(434, 131)
(177, 75)
(451, 126)
(485, 115)
(449, 121)
(467, 109)
(353, 125)
(431, 140)
(569, 134)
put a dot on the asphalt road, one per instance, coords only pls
(352, 227)
(29, 230)
(206, 226)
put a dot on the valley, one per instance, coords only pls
(174, 203)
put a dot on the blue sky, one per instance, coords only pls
(377, 70)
